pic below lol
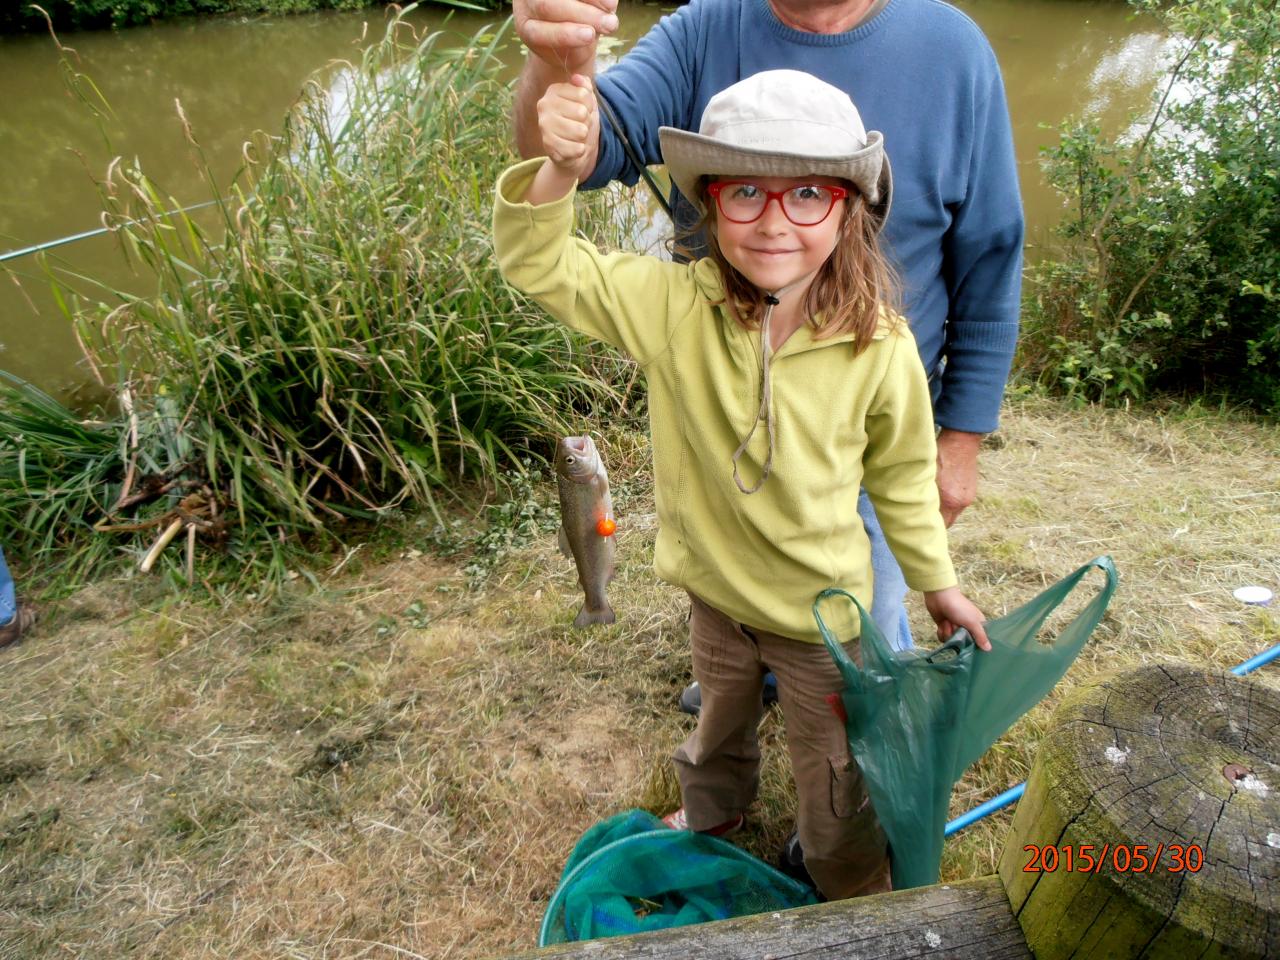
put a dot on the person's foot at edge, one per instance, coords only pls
(23, 620)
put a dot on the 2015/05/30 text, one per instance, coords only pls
(1120, 857)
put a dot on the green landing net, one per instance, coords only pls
(631, 874)
(916, 719)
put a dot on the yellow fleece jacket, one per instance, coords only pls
(842, 421)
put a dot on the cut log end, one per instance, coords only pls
(1151, 822)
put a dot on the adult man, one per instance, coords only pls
(15, 619)
(923, 74)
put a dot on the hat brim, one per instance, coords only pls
(690, 156)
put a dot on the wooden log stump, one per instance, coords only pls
(1150, 826)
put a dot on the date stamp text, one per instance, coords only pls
(1119, 857)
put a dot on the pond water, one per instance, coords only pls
(234, 76)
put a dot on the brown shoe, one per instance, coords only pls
(22, 621)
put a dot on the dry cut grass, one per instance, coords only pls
(397, 765)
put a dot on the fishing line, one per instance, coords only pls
(630, 151)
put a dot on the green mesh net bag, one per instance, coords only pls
(632, 874)
(917, 718)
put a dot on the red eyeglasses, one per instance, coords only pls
(741, 201)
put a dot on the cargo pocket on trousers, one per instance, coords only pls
(845, 779)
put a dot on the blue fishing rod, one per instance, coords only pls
(605, 109)
(26, 251)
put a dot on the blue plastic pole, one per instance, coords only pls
(1254, 663)
(991, 806)
(1011, 795)
(14, 254)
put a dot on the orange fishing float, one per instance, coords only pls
(605, 527)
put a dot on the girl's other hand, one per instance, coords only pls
(951, 609)
(567, 119)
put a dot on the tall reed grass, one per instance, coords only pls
(338, 342)
(57, 474)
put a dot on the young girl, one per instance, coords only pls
(779, 383)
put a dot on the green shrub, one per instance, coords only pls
(66, 15)
(339, 343)
(1169, 270)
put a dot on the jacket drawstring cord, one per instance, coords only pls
(766, 399)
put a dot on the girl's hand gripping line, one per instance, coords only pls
(950, 609)
(568, 120)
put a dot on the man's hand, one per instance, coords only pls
(563, 33)
(957, 471)
(950, 609)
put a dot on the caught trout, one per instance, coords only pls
(586, 523)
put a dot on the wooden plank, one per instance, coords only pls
(965, 921)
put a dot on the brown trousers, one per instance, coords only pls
(845, 850)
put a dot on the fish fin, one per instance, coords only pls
(586, 617)
(562, 539)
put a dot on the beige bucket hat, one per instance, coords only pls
(780, 123)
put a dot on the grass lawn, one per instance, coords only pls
(398, 764)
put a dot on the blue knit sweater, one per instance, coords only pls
(922, 73)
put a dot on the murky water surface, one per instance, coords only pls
(235, 76)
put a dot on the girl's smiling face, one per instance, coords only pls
(772, 252)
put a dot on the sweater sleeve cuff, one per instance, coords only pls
(978, 360)
(514, 183)
(939, 579)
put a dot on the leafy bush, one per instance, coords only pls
(1169, 274)
(67, 15)
(96, 14)
(340, 343)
